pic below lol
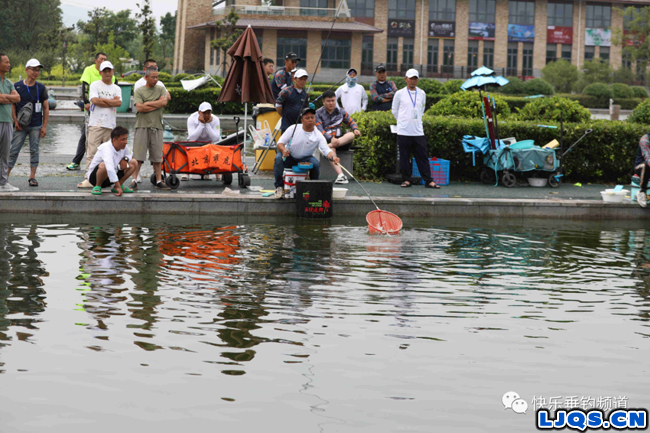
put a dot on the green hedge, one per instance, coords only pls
(607, 155)
(591, 102)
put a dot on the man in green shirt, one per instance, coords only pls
(149, 101)
(8, 96)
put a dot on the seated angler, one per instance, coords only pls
(203, 126)
(113, 163)
(299, 146)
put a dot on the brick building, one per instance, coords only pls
(442, 38)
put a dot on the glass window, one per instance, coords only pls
(408, 47)
(512, 59)
(627, 17)
(522, 12)
(527, 66)
(482, 11)
(259, 40)
(627, 61)
(472, 55)
(604, 54)
(288, 45)
(599, 16)
(401, 9)
(367, 46)
(488, 54)
(362, 8)
(448, 56)
(442, 10)
(551, 53)
(336, 54)
(566, 52)
(310, 7)
(391, 54)
(589, 53)
(560, 14)
(432, 56)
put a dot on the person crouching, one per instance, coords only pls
(299, 146)
(113, 163)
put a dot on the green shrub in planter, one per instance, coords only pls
(514, 87)
(551, 109)
(537, 86)
(452, 86)
(466, 104)
(639, 92)
(599, 91)
(620, 90)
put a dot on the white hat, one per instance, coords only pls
(412, 73)
(106, 64)
(301, 73)
(33, 63)
(205, 106)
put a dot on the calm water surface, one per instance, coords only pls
(167, 325)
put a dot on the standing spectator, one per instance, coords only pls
(269, 68)
(89, 76)
(203, 126)
(329, 121)
(408, 108)
(149, 101)
(8, 96)
(291, 100)
(105, 97)
(282, 77)
(33, 93)
(150, 63)
(353, 97)
(382, 91)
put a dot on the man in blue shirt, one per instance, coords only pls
(292, 100)
(34, 93)
(282, 77)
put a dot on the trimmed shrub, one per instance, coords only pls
(514, 87)
(452, 86)
(179, 77)
(620, 90)
(639, 91)
(400, 82)
(164, 77)
(466, 104)
(551, 109)
(599, 91)
(431, 86)
(561, 74)
(537, 86)
(641, 114)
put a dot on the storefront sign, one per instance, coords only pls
(559, 35)
(481, 31)
(442, 29)
(521, 33)
(405, 28)
(598, 37)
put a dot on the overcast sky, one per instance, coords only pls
(74, 10)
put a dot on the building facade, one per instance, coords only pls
(441, 38)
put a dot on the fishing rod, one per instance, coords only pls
(336, 16)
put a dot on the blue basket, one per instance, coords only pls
(439, 171)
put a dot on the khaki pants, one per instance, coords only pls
(148, 139)
(96, 137)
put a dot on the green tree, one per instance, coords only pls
(102, 22)
(167, 34)
(113, 52)
(147, 27)
(24, 21)
(229, 33)
(96, 26)
(595, 71)
(561, 74)
(636, 39)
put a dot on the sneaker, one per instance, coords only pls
(134, 185)
(642, 198)
(341, 179)
(162, 185)
(73, 166)
(138, 179)
(8, 188)
(279, 192)
(85, 184)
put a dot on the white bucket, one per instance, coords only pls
(290, 178)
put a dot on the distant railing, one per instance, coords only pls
(279, 11)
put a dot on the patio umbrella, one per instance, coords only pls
(482, 82)
(482, 71)
(246, 80)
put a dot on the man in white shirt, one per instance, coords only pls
(203, 126)
(408, 108)
(299, 146)
(352, 95)
(142, 82)
(105, 97)
(113, 163)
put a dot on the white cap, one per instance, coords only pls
(412, 73)
(205, 106)
(301, 73)
(294, 70)
(106, 64)
(33, 63)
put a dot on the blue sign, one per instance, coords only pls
(521, 33)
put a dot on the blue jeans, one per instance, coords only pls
(280, 165)
(18, 141)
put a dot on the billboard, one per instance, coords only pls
(559, 35)
(598, 37)
(405, 28)
(481, 31)
(631, 39)
(521, 33)
(442, 29)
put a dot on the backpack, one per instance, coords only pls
(24, 116)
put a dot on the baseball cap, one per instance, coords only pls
(301, 73)
(33, 63)
(292, 56)
(352, 70)
(307, 110)
(412, 73)
(380, 67)
(106, 64)
(205, 106)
